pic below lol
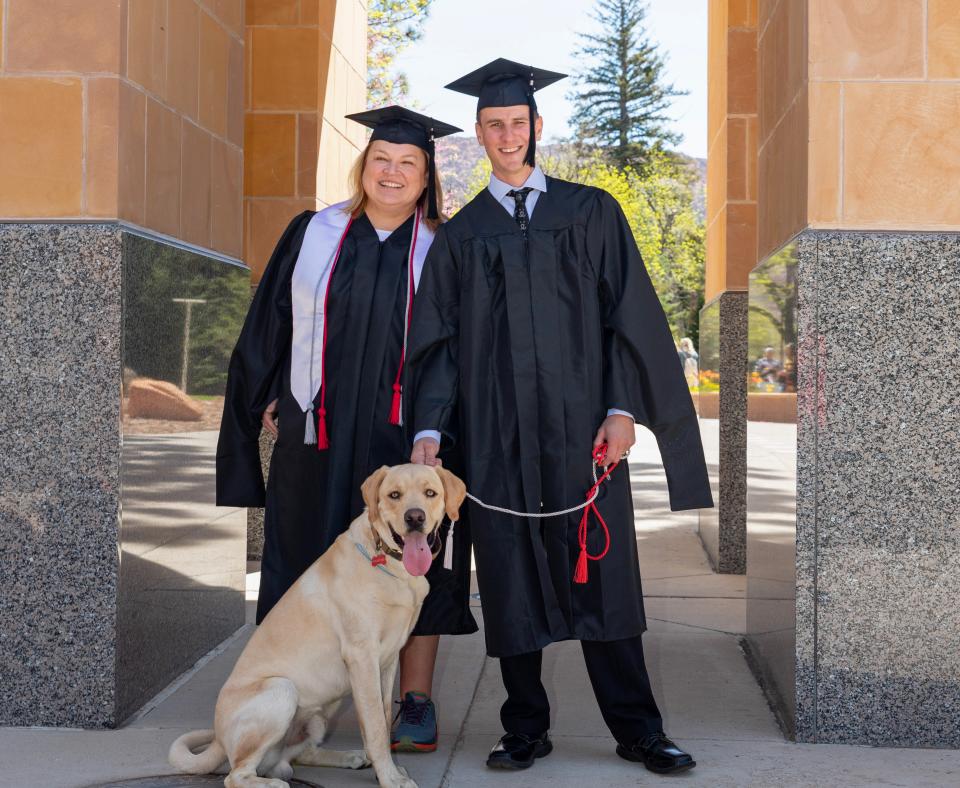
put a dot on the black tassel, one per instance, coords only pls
(531, 157)
(432, 212)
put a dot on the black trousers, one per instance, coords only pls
(620, 683)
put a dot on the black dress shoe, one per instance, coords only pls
(658, 754)
(516, 751)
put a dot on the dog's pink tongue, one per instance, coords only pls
(416, 553)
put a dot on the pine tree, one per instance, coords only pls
(621, 106)
(392, 25)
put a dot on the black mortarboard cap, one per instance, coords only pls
(506, 83)
(402, 126)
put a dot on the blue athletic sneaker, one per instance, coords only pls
(416, 725)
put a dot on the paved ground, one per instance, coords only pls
(711, 703)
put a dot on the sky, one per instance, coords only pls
(461, 35)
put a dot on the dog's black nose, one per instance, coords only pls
(415, 518)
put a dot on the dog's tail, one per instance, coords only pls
(183, 758)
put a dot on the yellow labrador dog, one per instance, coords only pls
(338, 630)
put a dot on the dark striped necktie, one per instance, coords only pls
(520, 214)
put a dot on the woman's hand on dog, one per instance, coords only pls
(269, 418)
(425, 452)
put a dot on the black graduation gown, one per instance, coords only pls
(533, 340)
(312, 496)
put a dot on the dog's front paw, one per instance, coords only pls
(399, 779)
(355, 759)
(282, 771)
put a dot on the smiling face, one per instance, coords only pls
(394, 176)
(405, 506)
(504, 133)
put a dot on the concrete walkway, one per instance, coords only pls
(711, 703)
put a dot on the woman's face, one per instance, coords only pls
(394, 176)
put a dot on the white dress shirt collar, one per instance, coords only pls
(536, 180)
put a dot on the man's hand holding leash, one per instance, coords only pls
(619, 434)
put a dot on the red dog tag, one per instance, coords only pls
(378, 560)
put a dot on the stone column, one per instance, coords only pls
(731, 253)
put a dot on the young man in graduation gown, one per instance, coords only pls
(537, 320)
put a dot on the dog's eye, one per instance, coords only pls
(395, 495)
(431, 493)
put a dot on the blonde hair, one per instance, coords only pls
(358, 198)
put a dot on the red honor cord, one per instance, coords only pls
(580, 573)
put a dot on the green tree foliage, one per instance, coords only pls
(392, 25)
(621, 101)
(478, 179)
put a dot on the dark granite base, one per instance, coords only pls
(723, 342)
(59, 472)
(886, 487)
(254, 534)
(876, 657)
(732, 552)
(809, 405)
(116, 570)
(255, 516)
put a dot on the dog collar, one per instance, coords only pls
(374, 562)
(382, 547)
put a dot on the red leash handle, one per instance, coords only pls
(580, 573)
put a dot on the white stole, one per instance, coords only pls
(311, 277)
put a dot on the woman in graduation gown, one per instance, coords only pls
(319, 365)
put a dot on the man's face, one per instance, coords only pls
(504, 133)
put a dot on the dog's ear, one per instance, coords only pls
(371, 492)
(454, 492)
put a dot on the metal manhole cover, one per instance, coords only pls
(186, 781)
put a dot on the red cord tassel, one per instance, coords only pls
(322, 441)
(580, 574)
(395, 406)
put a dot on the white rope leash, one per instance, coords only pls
(540, 515)
(448, 546)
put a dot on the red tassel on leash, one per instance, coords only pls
(580, 572)
(395, 406)
(322, 441)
